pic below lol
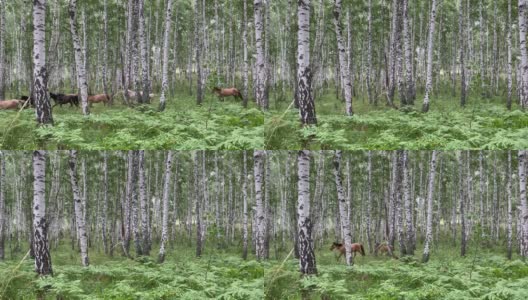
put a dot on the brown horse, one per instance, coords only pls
(384, 249)
(11, 104)
(340, 248)
(222, 93)
(98, 99)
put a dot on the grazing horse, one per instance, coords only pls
(227, 92)
(60, 99)
(11, 104)
(98, 99)
(384, 249)
(340, 248)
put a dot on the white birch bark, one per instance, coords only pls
(343, 208)
(304, 76)
(245, 209)
(164, 80)
(343, 63)
(523, 156)
(509, 45)
(260, 62)
(524, 53)
(307, 261)
(82, 85)
(3, 220)
(43, 111)
(143, 206)
(258, 170)
(429, 70)
(165, 200)
(510, 214)
(430, 191)
(246, 64)
(79, 216)
(40, 236)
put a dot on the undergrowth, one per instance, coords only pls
(183, 126)
(482, 124)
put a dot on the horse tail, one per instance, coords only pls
(362, 250)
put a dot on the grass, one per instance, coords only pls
(488, 275)
(482, 124)
(183, 126)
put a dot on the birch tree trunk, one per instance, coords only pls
(198, 45)
(343, 63)
(510, 214)
(245, 209)
(40, 228)
(79, 216)
(429, 71)
(304, 223)
(369, 201)
(509, 45)
(79, 63)
(165, 200)
(143, 206)
(43, 111)
(198, 201)
(522, 196)
(164, 80)
(481, 47)
(461, 33)
(258, 170)
(2, 48)
(246, 65)
(410, 235)
(410, 92)
(3, 221)
(144, 54)
(343, 208)
(462, 200)
(104, 229)
(304, 75)
(105, 50)
(369, 68)
(430, 191)
(524, 53)
(260, 67)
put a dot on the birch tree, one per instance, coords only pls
(79, 214)
(429, 71)
(260, 63)
(522, 196)
(430, 191)
(165, 200)
(304, 75)
(304, 224)
(40, 228)
(343, 63)
(43, 111)
(524, 54)
(258, 170)
(246, 64)
(343, 208)
(245, 207)
(164, 80)
(82, 85)
(143, 206)
(509, 198)
(3, 221)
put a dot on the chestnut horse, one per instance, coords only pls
(98, 99)
(227, 93)
(11, 104)
(340, 248)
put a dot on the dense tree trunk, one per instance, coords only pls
(258, 171)
(145, 249)
(429, 72)
(260, 67)
(246, 64)
(509, 198)
(245, 209)
(43, 111)
(430, 191)
(3, 221)
(410, 235)
(522, 196)
(144, 53)
(165, 201)
(304, 223)
(304, 75)
(104, 213)
(524, 54)
(82, 85)
(343, 63)
(462, 200)
(509, 45)
(410, 92)
(462, 46)
(79, 213)
(40, 226)
(343, 208)
(166, 34)
(198, 44)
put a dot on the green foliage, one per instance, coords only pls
(183, 126)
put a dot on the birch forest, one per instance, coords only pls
(263, 224)
(262, 74)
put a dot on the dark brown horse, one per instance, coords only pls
(222, 93)
(340, 248)
(61, 99)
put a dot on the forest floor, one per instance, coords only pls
(182, 126)
(486, 274)
(220, 275)
(482, 124)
